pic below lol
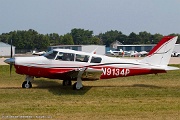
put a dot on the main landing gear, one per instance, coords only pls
(27, 82)
(77, 85)
(69, 83)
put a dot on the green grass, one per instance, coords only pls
(139, 97)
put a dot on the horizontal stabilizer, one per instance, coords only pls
(172, 68)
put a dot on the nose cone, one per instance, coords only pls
(10, 61)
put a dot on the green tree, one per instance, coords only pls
(156, 38)
(31, 39)
(133, 38)
(145, 38)
(81, 36)
(111, 36)
(5, 37)
(54, 38)
(43, 42)
(95, 41)
(174, 34)
(67, 40)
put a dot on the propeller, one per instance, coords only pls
(10, 60)
(11, 64)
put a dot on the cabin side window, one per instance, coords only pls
(51, 55)
(65, 56)
(96, 59)
(82, 58)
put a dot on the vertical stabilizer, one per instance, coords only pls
(161, 53)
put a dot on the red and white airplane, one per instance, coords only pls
(70, 65)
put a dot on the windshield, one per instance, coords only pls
(51, 55)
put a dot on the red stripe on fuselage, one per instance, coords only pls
(55, 73)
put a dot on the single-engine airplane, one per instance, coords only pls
(116, 53)
(69, 65)
(38, 53)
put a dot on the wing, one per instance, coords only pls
(88, 75)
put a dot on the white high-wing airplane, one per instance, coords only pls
(116, 53)
(143, 53)
(137, 54)
(70, 65)
(38, 53)
(128, 53)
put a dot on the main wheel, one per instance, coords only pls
(75, 88)
(26, 84)
(67, 83)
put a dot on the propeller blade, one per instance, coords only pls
(11, 68)
(11, 57)
(11, 60)
(11, 49)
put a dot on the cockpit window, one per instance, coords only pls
(51, 55)
(82, 58)
(96, 60)
(65, 56)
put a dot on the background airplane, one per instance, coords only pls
(115, 52)
(34, 52)
(137, 54)
(68, 65)
(130, 53)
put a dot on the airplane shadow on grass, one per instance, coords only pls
(56, 87)
(143, 85)
(132, 86)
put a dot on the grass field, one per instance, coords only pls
(147, 97)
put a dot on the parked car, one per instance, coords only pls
(175, 54)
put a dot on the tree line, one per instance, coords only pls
(31, 39)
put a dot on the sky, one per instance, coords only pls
(100, 16)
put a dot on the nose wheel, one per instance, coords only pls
(26, 84)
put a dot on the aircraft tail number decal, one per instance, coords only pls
(115, 71)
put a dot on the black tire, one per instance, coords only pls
(74, 86)
(67, 82)
(26, 84)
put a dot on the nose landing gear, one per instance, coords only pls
(27, 82)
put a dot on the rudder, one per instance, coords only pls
(161, 53)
